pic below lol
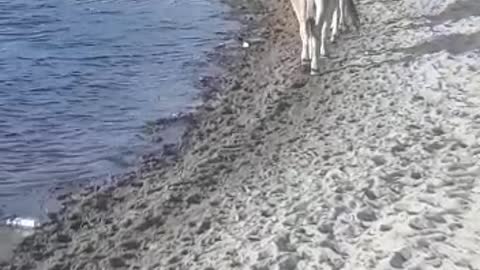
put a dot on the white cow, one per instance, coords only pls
(316, 18)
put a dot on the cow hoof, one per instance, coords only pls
(315, 72)
(324, 53)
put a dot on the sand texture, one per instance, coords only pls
(372, 165)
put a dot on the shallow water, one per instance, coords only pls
(79, 79)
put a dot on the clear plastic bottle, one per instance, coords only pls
(23, 223)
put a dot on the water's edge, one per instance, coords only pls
(64, 152)
(167, 137)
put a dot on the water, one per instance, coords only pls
(79, 79)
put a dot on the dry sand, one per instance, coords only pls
(373, 165)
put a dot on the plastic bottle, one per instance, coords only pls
(24, 223)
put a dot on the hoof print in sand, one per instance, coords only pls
(299, 83)
(400, 257)
(370, 194)
(150, 222)
(379, 160)
(385, 227)
(194, 199)
(205, 226)
(290, 262)
(117, 262)
(283, 244)
(260, 267)
(367, 215)
(326, 228)
(63, 238)
(131, 244)
(61, 266)
(419, 224)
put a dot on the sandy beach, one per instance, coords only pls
(372, 165)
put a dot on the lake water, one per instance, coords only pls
(80, 78)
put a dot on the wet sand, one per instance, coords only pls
(372, 165)
(9, 238)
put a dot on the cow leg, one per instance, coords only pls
(322, 20)
(323, 40)
(306, 55)
(335, 24)
(315, 49)
(329, 7)
(342, 14)
(300, 12)
(317, 23)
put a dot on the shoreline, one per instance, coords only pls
(159, 136)
(65, 198)
(370, 166)
(101, 157)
